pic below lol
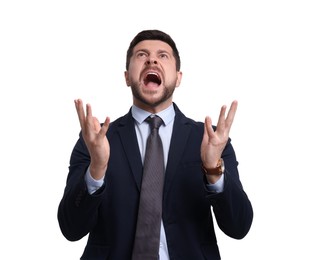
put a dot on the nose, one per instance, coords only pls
(151, 61)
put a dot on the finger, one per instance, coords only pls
(80, 111)
(231, 113)
(89, 117)
(89, 110)
(205, 134)
(221, 118)
(105, 127)
(209, 131)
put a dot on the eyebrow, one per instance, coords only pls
(147, 51)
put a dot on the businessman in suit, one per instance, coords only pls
(102, 194)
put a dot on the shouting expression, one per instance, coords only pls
(152, 75)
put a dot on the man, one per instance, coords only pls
(102, 196)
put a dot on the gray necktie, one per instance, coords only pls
(147, 237)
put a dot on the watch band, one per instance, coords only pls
(218, 170)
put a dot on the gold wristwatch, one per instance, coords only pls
(218, 170)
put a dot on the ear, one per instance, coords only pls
(179, 77)
(126, 76)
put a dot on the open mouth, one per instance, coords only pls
(152, 77)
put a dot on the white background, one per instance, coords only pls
(258, 52)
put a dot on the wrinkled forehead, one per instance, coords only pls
(152, 45)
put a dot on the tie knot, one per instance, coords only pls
(154, 122)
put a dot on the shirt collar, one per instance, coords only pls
(167, 115)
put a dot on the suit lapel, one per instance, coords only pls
(129, 141)
(180, 134)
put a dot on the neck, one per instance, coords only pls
(151, 108)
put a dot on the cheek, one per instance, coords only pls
(133, 72)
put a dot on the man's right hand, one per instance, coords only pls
(95, 139)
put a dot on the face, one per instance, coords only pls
(152, 75)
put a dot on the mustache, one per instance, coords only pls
(151, 68)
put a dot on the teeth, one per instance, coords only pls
(152, 73)
(152, 77)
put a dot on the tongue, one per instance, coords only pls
(151, 84)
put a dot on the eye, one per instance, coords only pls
(141, 55)
(164, 56)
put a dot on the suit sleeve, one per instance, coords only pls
(78, 210)
(232, 207)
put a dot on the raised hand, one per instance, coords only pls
(95, 139)
(214, 142)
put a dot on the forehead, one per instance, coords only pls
(153, 45)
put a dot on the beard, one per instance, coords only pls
(164, 96)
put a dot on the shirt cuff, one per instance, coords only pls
(92, 184)
(216, 187)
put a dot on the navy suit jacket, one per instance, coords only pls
(109, 215)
